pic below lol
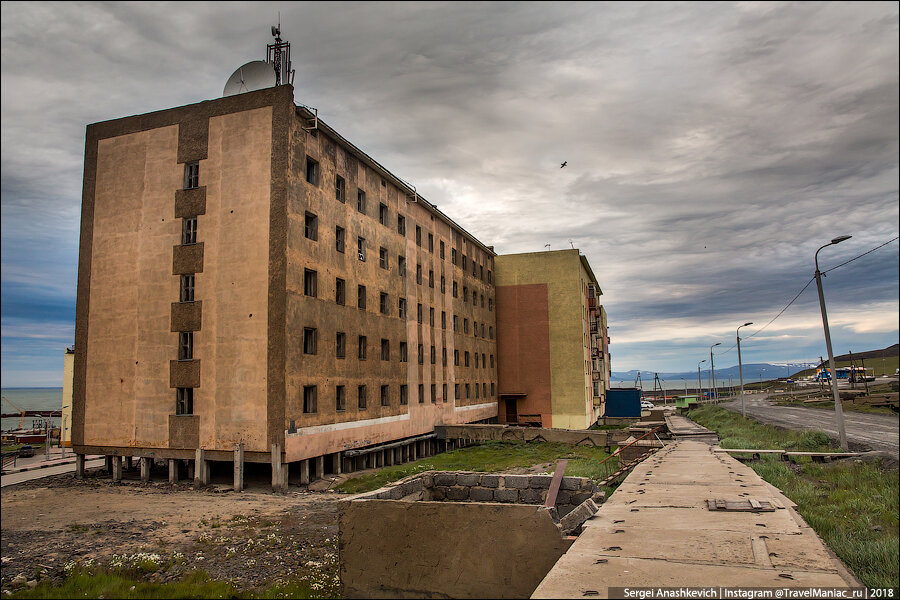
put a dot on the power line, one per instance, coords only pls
(794, 299)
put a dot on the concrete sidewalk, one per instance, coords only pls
(657, 530)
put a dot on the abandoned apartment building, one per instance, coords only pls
(252, 287)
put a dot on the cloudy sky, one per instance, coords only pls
(711, 148)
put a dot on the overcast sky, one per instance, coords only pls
(711, 148)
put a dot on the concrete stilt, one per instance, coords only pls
(116, 468)
(389, 457)
(279, 470)
(413, 451)
(190, 470)
(145, 468)
(336, 463)
(173, 470)
(79, 466)
(238, 467)
(304, 472)
(348, 465)
(201, 468)
(320, 467)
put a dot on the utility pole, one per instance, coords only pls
(712, 369)
(741, 368)
(838, 409)
(699, 380)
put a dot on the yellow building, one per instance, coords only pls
(65, 439)
(552, 342)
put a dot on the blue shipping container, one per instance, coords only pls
(623, 402)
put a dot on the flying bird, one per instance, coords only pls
(565, 162)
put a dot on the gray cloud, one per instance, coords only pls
(712, 147)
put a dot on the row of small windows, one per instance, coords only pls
(311, 346)
(311, 395)
(340, 194)
(311, 288)
(184, 397)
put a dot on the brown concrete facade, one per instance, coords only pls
(252, 308)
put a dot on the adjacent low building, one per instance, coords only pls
(553, 345)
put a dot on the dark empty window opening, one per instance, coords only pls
(444, 395)
(404, 395)
(191, 175)
(185, 345)
(383, 258)
(184, 401)
(385, 395)
(340, 291)
(431, 242)
(310, 397)
(309, 340)
(401, 266)
(403, 352)
(361, 201)
(385, 349)
(418, 235)
(384, 303)
(421, 393)
(361, 297)
(189, 231)
(340, 345)
(434, 393)
(401, 308)
(421, 354)
(312, 171)
(340, 189)
(311, 226)
(362, 348)
(401, 224)
(442, 255)
(310, 282)
(187, 288)
(339, 238)
(361, 248)
(361, 397)
(383, 214)
(340, 398)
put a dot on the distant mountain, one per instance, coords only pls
(752, 372)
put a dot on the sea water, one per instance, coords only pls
(30, 399)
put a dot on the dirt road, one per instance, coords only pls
(870, 431)
(253, 538)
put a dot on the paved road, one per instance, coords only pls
(14, 478)
(876, 432)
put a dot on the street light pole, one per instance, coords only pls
(700, 381)
(712, 367)
(741, 368)
(838, 409)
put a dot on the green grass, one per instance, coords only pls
(853, 506)
(113, 584)
(488, 457)
(847, 406)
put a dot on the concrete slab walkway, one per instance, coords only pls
(657, 530)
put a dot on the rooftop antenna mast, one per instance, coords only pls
(279, 56)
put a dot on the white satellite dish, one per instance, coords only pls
(255, 75)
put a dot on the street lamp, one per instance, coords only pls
(712, 368)
(700, 381)
(741, 367)
(838, 409)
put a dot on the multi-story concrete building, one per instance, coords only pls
(249, 278)
(553, 347)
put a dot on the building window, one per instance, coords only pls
(433, 355)
(339, 238)
(443, 284)
(455, 290)
(431, 278)
(443, 320)
(361, 352)
(189, 231)
(311, 226)
(444, 394)
(403, 353)
(490, 277)
(361, 248)
(401, 308)
(421, 354)
(309, 340)
(404, 395)
(340, 189)
(185, 345)
(482, 330)
(442, 256)
(464, 263)
(468, 395)
(383, 258)
(483, 361)
(419, 274)
(187, 288)
(312, 171)
(385, 396)
(453, 256)
(475, 328)
(361, 201)
(184, 401)
(444, 356)
(491, 331)
(421, 393)
(474, 268)
(383, 213)
(456, 391)
(361, 397)
(476, 360)
(455, 323)
(492, 361)
(385, 349)
(361, 296)
(492, 389)
(476, 391)
(431, 316)
(456, 358)
(418, 235)
(340, 398)
(310, 397)
(191, 175)
(433, 393)
(431, 242)
(490, 304)
(340, 345)
(484, 390)
(383, 303)
(401, 266)
(466, 359)
(465, 294)
(310, 282)
(419, 312)
(465, 326)
(340, 291)
(401, 224)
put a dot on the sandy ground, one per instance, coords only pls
(253, 538)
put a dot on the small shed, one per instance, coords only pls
(685, 401)
(623, 402)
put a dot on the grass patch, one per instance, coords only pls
(114, 584)
(847, 406)
(489, 457)
(853, 506)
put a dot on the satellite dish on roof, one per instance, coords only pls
(255, 75)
